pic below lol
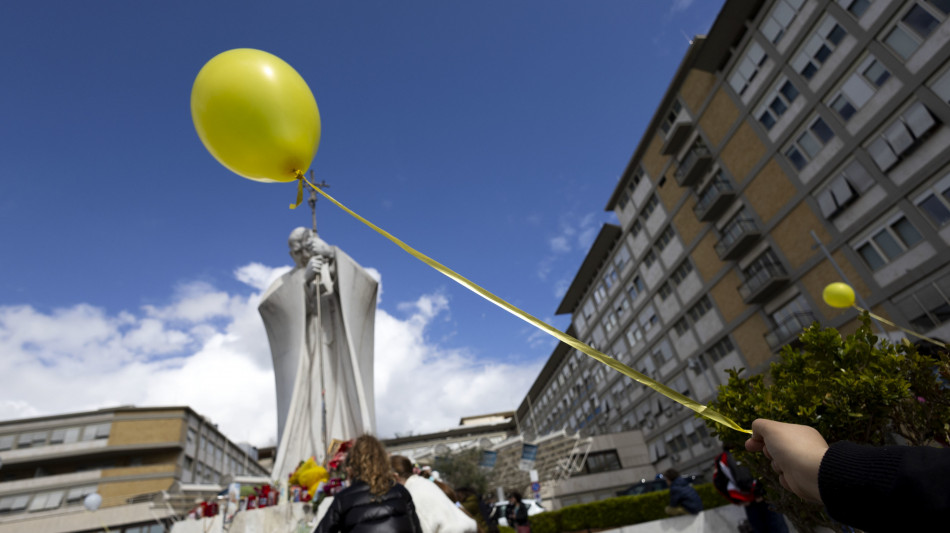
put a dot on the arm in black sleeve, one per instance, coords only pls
(331, 520)
(868, 486)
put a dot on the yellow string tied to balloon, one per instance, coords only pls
(599, 356)
(841, 296)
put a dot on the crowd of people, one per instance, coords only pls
(389, 494)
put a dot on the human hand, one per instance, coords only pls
(313, 266)
(795, 451)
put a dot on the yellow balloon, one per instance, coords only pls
(838, 294)
(256, 115)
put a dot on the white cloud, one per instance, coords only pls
(259, 276)
(208, 350)
(560, 244)
(678, 6)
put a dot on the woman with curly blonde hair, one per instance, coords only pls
(374, 502)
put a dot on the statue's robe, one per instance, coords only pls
(344, 342)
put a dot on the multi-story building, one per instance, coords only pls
(800, 142)
(148, 465)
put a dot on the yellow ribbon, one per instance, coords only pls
(300, 180)
(685, 401)
(893, 325)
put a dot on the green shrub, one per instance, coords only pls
(506, 529)
(617, 512)
(860, 388)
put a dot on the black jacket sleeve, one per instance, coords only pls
(331, 520)
(886, 488)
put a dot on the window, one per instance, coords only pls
(781, 17)
(605, 461)
(77, 495)
(936, 203)
(6, 442)
(858, 89)
(677, 442)
(762, 262)
(928, 306)
(665, 238)
(889, 243)
(680, 273)
(942, 86)
(661, 355)
(31, 440)
(649, 207)
(818, 48)
(611, 278)
(649, 259)
(10, 504)
(610, 322)
(855, 7)
(747, 68)
(634, 334)
(809, 143)
(671, 115)
(621, 258)
(915, 26)
(96, 431)
(902, 137)
(636, 228)
(681, 326)
(621, 306)
(599, 294)
(844, 189)
(46, 500)
(631, 186)
(665, 291)
(636, 287)
(699, 309)
(776, 103)
(719, 350)
(874, 71)
(588, 309)
(648, 318)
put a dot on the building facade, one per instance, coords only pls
(800, 142)
(148, 465)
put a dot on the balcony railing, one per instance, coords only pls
(677, 135)
(714, 199)
(736, 238)
(693, 166)
(789, 330)
(759, 286)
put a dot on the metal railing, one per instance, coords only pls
(764, 276)
(733, 233)
(789, 329)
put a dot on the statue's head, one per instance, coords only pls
(304, 244)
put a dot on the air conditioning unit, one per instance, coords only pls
(675, 457)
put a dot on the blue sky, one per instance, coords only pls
(488, 135)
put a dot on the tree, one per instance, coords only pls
(461, 470)
(860, 388)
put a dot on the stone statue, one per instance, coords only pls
(319, 319)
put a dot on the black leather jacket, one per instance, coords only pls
(357, 510)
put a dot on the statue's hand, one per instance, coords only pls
(314, 266)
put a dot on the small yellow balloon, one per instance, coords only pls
(838, 294)
(256, 115)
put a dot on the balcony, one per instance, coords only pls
(693, 166)
(736, 238)
(788, 330)
(677, 135)
(760, 286)
(714, 199)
